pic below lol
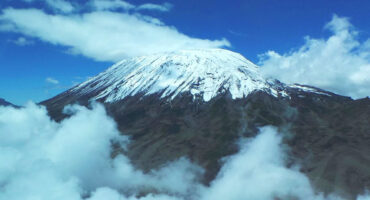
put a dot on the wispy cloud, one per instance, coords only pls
(111, 5)
(62, 6)
(124, 5)
(103, 35)
(239, 34)
(22, 41)
(52, 80)
(340, 63)
(158, 7)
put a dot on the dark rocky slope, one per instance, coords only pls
(3, 102)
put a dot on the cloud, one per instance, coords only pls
(340, 63)
(72, 159)
(238, 34)
(111, 5)
(60, 5)
(45, 160)
(21, 41)
(364, 197)
(52, 80)
(259, 172)
(149, 6)
(102, 35)
(119, 4)
(57, 5)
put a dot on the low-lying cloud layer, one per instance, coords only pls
(105, 30)
(42, 159)
(258, 172)
(340, 63)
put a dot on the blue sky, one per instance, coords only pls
(36, 63)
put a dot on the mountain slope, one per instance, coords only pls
(3, 102)
(199, 103)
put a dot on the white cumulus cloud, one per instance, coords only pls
(259, 172)
(42, 159)
(103, 34)
(340, 63)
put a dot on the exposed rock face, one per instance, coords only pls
(204, 114)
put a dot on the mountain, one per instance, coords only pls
(198, 103)
(5, 103)
(202, 73)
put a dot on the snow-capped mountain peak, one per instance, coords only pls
(203, 73)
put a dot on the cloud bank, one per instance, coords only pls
(340, 63)
(109, 31)
(42, 159)
(45, 160)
